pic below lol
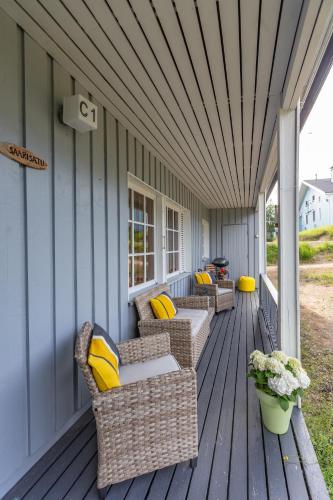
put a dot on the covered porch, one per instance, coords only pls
(199, 106)
(238, 457)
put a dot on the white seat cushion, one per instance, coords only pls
(197, 317)
(147, 369)
(222, 291)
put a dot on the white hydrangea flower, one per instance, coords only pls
(294, 363)
(274, 366)
(280, 356)
(283, 384)
(260, 364)
(302, 377)
(254, 354)
(259, 361)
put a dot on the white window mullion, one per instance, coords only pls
(181, 243)
(142, 226)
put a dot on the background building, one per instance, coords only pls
(316, 203)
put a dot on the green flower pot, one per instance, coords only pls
(275, 419)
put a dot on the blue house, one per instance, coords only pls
(316, 203)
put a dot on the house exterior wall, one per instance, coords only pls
(320, 204)
(233, 234)
(63, 246)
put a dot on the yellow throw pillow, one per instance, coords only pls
(163, 306)
(103, 357)
(203, 278)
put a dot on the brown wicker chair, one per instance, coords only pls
(185, 346)
(141, 426)
(223, 292)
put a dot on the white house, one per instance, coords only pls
(316, 203)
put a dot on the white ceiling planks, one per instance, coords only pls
(192, 31)
(175, 94)
(290, 15)
(250, 29)
(208, 14)
(199, 82)
(168, 17)
(270, 11)
(229, 21)
(128, 20)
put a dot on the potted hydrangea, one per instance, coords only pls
(279, 380)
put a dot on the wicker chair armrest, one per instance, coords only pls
(209, 290)
(154, 326)
(211, 301)
(192, 302)
(144, 393)
(226, 284)
(144, 348)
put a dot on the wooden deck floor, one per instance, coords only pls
(238, 458)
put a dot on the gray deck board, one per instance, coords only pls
(257, 485)
(238, 458)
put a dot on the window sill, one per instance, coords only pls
(144, 289)
(169, 281)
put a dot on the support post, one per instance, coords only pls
(288, 176)
(262, 232)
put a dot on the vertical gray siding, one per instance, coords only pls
(14, 414)
(233, 235)
(63, 245)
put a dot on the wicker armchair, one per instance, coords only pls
(141, 426)
(223, 292)
(185, 346)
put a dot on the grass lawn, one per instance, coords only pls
(320, 233)
(316, 297)
(317, 403)
(324, 279)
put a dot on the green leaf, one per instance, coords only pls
(261, 378)
(283, 403)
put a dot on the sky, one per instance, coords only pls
(316, 138)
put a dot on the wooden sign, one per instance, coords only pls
(22, 156)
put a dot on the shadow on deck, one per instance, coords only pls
(238, 458)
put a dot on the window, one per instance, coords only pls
(173, 243)
(319, 199)
(314, 216)
(313, 197)
(306, 219)
(205, 240)
(141, 238)
(159, 237)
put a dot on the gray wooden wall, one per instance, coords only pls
(63, 246)
(233, 235)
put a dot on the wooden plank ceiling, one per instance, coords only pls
(198, 81)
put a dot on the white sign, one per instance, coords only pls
(79, 113)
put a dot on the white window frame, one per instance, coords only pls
(177, 209)
(205, 240)
(184, 238)
(138, 187)
(160, 264)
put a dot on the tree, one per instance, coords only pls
(270, 221)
